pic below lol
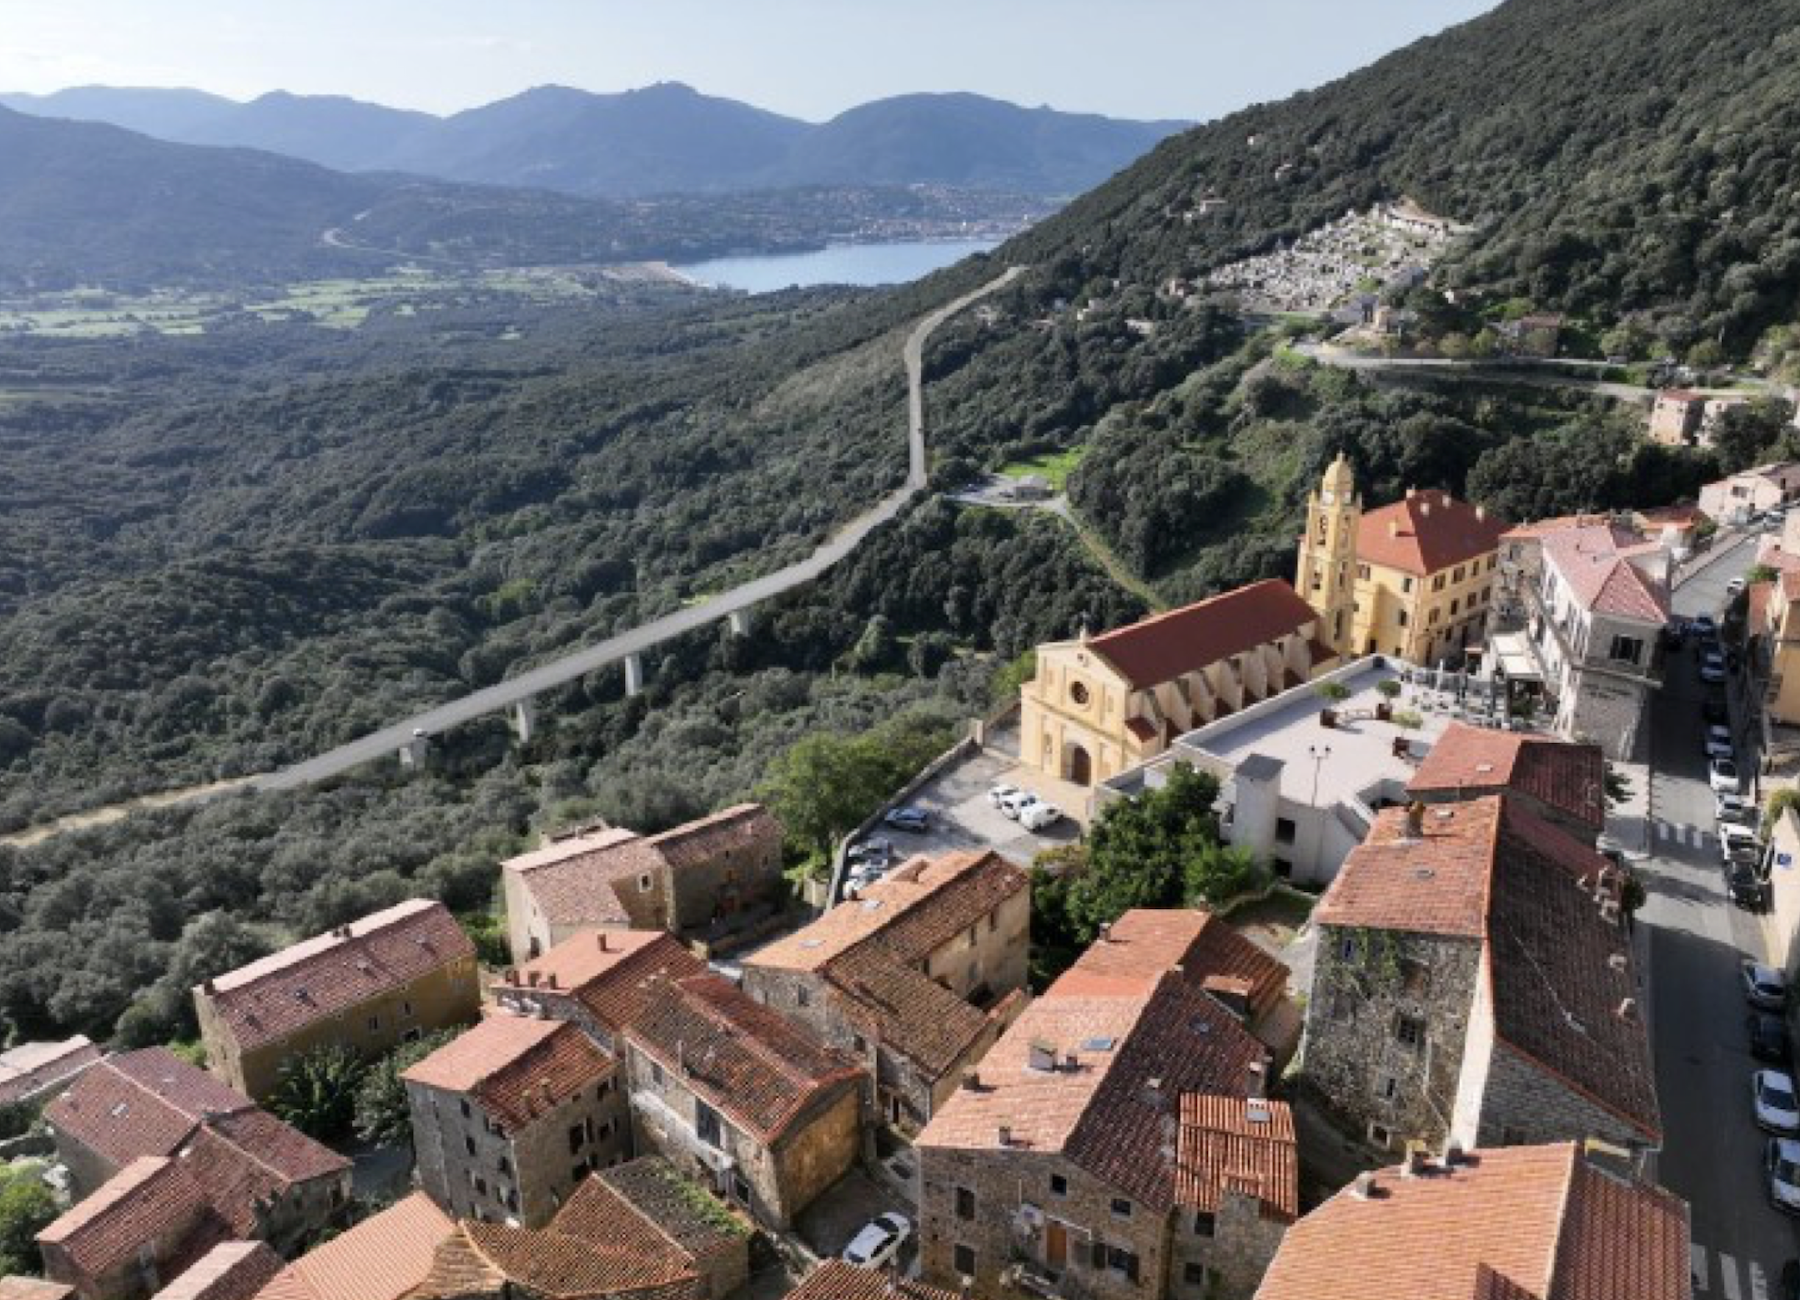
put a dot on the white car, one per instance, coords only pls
(1781, 1161)
(1737, 584)
(879, 1240)
(1735, 840)
(1734, 809)
(1037, 814)
(1764, 987)
(1772, 1098)
(1010, 804)
(1722, 775)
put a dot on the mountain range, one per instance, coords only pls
(666, 138)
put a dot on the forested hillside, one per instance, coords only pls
(221, 553)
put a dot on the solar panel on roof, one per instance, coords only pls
(1098, 1044)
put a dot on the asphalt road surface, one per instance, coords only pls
(1712, 1150)
(388, 742)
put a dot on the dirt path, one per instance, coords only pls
(118, 812)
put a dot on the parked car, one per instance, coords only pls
(1768, 1037)
(1745, 886)
(878, 1241)
(1703, 628)
(1737, 584)
(1712, 667)
(877, 850)
(1713, 708)
(1717, 741)
(1781, 1161)
(1734, 809)
(1772, 1098)
(1723, 776)
(999, 794)
(914, 821)
(1739, 842)
(1764, 986)
(1012, 803)
(1037, 814)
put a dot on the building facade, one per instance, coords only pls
(1733, 499)
(512, 1116)
(1411, 579)
(596, 980)
(1099, 705)
(386, 979)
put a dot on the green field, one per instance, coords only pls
(1053, 467)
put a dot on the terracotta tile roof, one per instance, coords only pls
(1241, 1145)
(278, 1146)
(153, 1199)
(907, 1010)
(1514, 1223)
(143, 1103)
(1558, 969)
(1103, 1113)
(1166, 646)
(672, 1201)
(914, 909)
(323, 976)
(749, 1062)
(607, 971)
(836, 1280)
(515, 1067)
(1595, 564)
(1566, 776)
(1426, 532)
(33, 1288)
(1144, 943)
(1560, 523)
(232, 1270)
(31, 1068)
(384, 1257)
(1559, 972)
(238, 1173)
(747, 826)
(1435, 883)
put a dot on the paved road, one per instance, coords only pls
(1712, 1149)
(1530, 374)
(388, 741)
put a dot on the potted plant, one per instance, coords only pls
(1332, 693)
(1390, 691)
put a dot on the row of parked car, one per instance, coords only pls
(1772, 1094)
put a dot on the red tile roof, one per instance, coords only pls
(749, 1062)
(1560, 774)
(1145, 943)
(154, 1199)
(384, 1257)
(681, 1209)
(142, 1103)
(1602, 577)
(1514, 1223)
(1238, 1144)
(607, 971)
(1426, 532)
(232, 1270)
(1433, 883)
(272, 999)
(836, 1280)
(1166, 646)
(515, 1068)
(33, 1068)
(32, 1288)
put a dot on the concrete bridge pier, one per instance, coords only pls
(413, 752)
(740, 622)
(634, 675)
(524, 719)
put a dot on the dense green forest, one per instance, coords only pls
(222, 553)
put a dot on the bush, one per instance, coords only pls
(316, 1091)
(383, 1115)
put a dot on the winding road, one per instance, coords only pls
(494, 699)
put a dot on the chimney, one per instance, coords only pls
(601, 936)
(1617, 962)
(1004, 1135)
(1425, 507)
(1255, 1078)
(972, 1081)
(1411, 492)
(1481, 513)
(1609, 911)
(1414, 1164)
(550, 979)
(207, 986)
(1628, 1009)
(1453, 1154)
(1364, 1186)
(1415, 820)
(1071, 1062)
(1042, 1056)
(1106, 932)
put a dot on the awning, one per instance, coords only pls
(1513, 659)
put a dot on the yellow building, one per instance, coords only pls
(371, 985)
(1100, 705)
(1412, 579)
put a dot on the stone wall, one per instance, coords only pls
(733, 880)
(992, 957)
(1228, 1262)
(1368, 985)
(1525, 1104)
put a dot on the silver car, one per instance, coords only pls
(1781, 1161)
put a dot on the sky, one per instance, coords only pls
(1186, 59)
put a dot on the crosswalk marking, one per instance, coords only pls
(1697, 1264)
(1685, 834)
(1728, 1277)
(1759, 1285)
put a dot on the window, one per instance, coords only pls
(1379, 1136)
(1284, 830)
(740, 1189)
(1432, 618)
(965, 1203)
(1399, 620)
(1437, 583)
(505, 1166)
(1362, 572)
(1455, 607)
(481, 1186)
(468, 1144)
(656, 1074)
(1409, 1031)
(1456, 575)
(1494, 559)
(859, 1043)
(374, 1024)
(604, 1090)
(1193, 1274)
(1342, 1006)
(1406, 584)
(1390, 1085)
(1627, 649)
(464, 1103)
(644, 884)
(1078, 692)
(577, 1174)
(604, 1131)
(1059, 1186)
(802, 996)
(1347, 949)
(962, 1259)
(576, 1137)
(1120, 1260)
(1121, 1207)
(512, 1200)
(1204, 1224)
(1415, 977)
(406, 1009)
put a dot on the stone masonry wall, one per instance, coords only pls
(1524, 1104)
(1230, 1262)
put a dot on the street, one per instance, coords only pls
(1712, 1151)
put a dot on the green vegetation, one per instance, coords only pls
(381, 1113)
(1054, 467)
(26, 1209)
(317, 1091)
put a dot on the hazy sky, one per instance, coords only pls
(811, 58)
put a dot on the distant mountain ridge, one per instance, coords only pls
(665, 138)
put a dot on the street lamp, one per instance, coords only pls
(1318, 753)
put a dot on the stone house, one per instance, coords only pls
(716, 1240)
(1522, 566)
(1237, 1189)
(141, 1230)
(1055, 1170)
(232, 1270)
(386, 979)
(1473, 979)
(30, 1070)
(271, 1181)
(1101, 704)
(1675, 417)
(1411, 579)
(833, 1279)
(1560, 781)
(1735, 498)
(705, 881)
(916, 977)
(511, 1116)
(595, 979)
(746, 1100)
(386, 1256)
(1517, 1222)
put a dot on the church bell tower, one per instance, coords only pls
(1326, 578)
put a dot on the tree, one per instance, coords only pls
(383, 1115)
(26, 1209)
(1618, 786)
(316, 1090)
(1219, 873)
